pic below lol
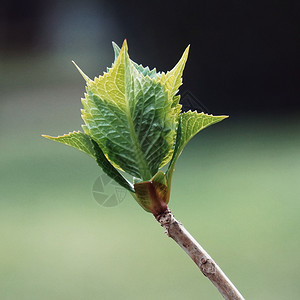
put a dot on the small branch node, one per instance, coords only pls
(208, 268)
(203, 260)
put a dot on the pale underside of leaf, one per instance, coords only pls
(84, 143)
(75, 139)
(193, 122)
(190, 124)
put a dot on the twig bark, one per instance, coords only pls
(205, 263)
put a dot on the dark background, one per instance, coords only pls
(243, 53)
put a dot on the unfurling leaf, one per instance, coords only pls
(131, 118)
(133, 122)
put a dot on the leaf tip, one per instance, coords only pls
(185, 54)
(224, 117)
(85, 77)
(187, 49)
(115, 47)
(125, 45)
(52, 138)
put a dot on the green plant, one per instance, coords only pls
(134, 124)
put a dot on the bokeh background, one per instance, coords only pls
(236, 186)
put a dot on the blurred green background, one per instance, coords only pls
(236, 187)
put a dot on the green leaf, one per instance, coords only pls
(193, 122)
(131, 118)
(75, 139)
(172, 80)
(142, 70)
(176, 154)
(109, 169)
(190, 123)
